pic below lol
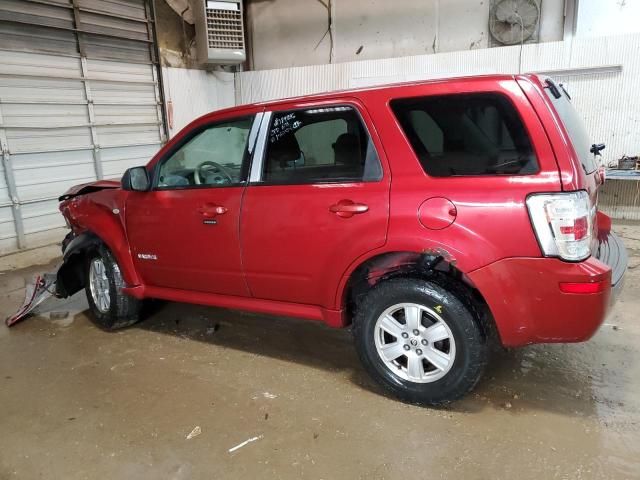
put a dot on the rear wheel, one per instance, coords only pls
(111, 308)
(419, 341)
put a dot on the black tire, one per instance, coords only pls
(471, 349)
(123, 310)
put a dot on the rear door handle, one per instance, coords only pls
(210, 211)
(348, 208)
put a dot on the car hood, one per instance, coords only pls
(90, 187)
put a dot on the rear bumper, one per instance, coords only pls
(525, 300)
(613, 253)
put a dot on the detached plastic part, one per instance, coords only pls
(36, 292)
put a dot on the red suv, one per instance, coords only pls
(431, 217)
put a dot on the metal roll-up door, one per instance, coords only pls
(79, 101)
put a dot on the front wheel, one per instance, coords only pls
(111, 308)
(419, 341)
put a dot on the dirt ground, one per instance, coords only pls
(77, 402)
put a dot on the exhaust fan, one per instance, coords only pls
(514, 21)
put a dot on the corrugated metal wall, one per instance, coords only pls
(79, 100)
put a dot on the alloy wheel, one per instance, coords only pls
(99, 285)
(414, 342)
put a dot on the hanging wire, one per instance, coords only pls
(521, 41)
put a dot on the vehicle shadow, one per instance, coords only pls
(556, 378)
(544, 377)
(293, 340)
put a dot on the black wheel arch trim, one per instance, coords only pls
(70, 275)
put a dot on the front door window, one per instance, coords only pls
(212, 158)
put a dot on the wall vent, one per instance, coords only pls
(220, 32)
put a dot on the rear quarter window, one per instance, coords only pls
(573, 124)
(467, 134)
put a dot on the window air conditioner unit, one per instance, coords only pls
(220, 32)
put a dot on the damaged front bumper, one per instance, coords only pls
(62, 282)
(42, 288)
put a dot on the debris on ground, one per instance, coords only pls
(268, 395)
(213, 329)
(62, 322)
(36, 292)
(194, 433)
(125, 364)
(246, 442)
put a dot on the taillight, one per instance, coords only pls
(563, 223)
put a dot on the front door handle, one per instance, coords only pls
(210, 210)
(348, 208)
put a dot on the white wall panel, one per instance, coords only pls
(124, 135)
(119, 71)
(126, 114)
(124, 8)
(39, 65)
(14, 36)
(44, 139)
(47, 175)
(44, 115)
(196, 92)
(122, 92)
(292, 33)
(8, 240)
(32, 186)
(46, 237)
(609, 102)
(21, 89)
(117, 160)
(42, 13)
(41, 216)
(608, 17)
(5, 198)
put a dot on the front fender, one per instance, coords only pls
(101, 215)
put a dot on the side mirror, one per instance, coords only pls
(136, 179)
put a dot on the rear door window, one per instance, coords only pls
(467, 134)
(573, 124)
(319, 145)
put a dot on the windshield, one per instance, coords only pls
(573, 124)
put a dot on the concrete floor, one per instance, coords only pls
(77, 402)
